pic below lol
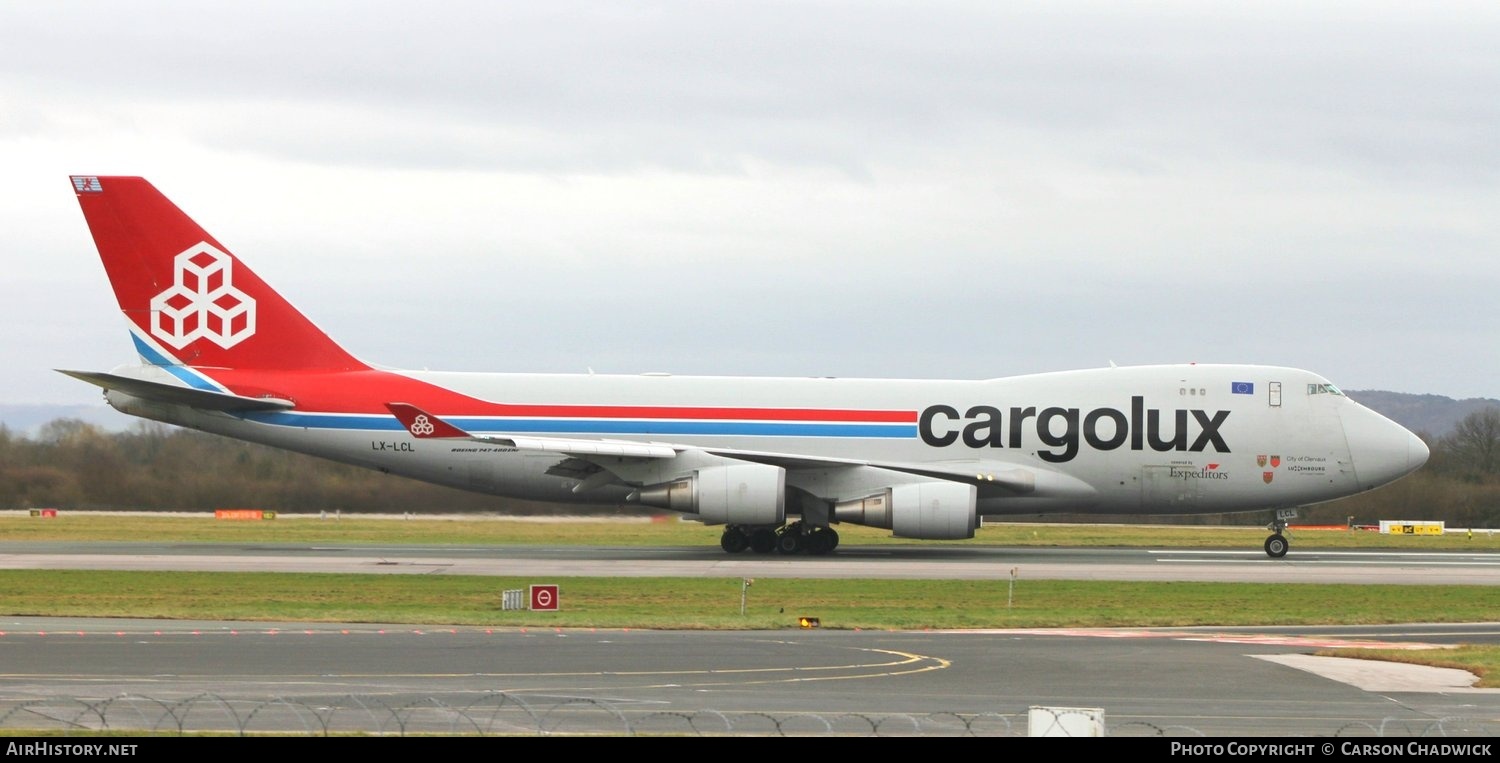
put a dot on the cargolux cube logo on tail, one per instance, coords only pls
(202, 302)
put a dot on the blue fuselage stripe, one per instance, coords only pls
(594, 426)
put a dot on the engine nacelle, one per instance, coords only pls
(741, 494)
(922, 510)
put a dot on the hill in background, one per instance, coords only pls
(1430, 415)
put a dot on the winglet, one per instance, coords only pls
(423, 425)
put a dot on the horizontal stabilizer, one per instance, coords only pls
(202, 399)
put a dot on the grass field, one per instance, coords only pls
(188, 527)
(683, 603)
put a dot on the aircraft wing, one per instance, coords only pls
(423, 425)
(170, 393)
(1013, 477)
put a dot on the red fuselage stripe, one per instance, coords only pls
(665, 412)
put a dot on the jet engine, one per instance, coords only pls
(922, 510)
(741, 494)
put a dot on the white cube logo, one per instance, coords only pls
(202, 302)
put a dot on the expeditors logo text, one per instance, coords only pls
(1064, 429)
(1210, 472)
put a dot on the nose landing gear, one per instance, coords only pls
(1277, 544)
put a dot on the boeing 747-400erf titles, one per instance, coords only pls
(778, 462)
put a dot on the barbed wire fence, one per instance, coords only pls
(505, 714)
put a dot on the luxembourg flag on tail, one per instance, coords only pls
(1242, 388)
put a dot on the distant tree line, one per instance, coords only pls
(1460, 483)
(71, 464)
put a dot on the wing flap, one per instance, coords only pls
(574, 447)
(988, 474)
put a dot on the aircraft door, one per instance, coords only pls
(1167, 489)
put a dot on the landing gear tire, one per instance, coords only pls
(734, 540)
(1276, 546)
(790, 541)
(763, 541)
(822, 540)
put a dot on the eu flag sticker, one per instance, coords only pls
(1242, 388)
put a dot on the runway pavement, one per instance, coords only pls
(946, 562)
(292, 678)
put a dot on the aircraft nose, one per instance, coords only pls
(1416, 452)
(1381, 449)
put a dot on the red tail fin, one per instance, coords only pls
(189, 301)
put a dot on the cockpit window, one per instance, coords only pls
(1323, 389)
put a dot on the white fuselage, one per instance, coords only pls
(1180, 439)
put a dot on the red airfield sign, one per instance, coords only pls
(544, 597)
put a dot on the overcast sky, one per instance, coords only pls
(915, 190)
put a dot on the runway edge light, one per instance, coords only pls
(808, 622)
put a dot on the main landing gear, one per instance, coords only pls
(795, 538)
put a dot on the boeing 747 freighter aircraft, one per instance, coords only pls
(779, 463)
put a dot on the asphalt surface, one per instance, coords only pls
(294, 679)
(916, 561)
